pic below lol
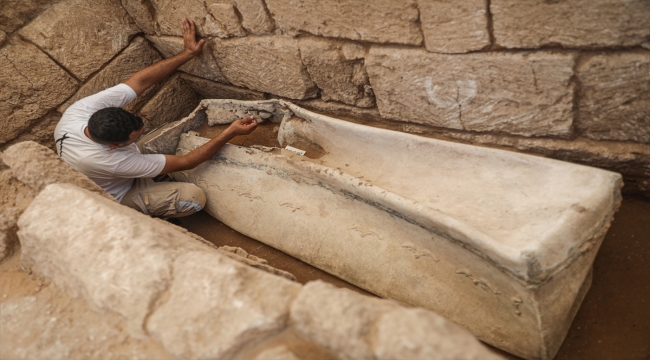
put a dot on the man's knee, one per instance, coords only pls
(168, 199)
(192, 200)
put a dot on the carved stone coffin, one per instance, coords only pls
(501, 243)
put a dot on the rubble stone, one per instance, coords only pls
(615, 97)
(37, 166)
(138, 55)
(143, 13)
(255, 17)
(580, 23)
(522, 94)
(204, 65)
(214, 90)
(338, 78)
(30, 85)
(16, 13)
(84, 42)
(269, 64)
(174, 101)
(232, 306)
(381, 21)
(454, 26)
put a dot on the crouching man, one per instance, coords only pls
(97, 137)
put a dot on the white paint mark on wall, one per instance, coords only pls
(446, 97)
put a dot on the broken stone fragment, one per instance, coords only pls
(31, 84)
(521, 94)
(454, 26)
(615, 97)
(380, 21)
(578, 23)
(104, 26)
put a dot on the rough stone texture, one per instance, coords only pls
(233, 306)
(381, 21)
(204, 65)
(138, 55)
(255, 18)
(174, 101)
(339, 110)
(358, 327)
(579, 23)
(8, 228)
(56, 232)
(269, 64)
(30, 85)
(454, 26)
(339, 78)
(212, 19)
(214, 90)
(615, 97)
(14, 199)
(3, 37)
(143, 14)
(15, 13)
(279, 352)
(523, 94)
(40, 131)
(84, 42)
(37, 166)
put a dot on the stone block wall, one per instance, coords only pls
(569, 80)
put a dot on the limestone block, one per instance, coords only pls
(173, 101)
(354, 326)
(204, 65)
(37, 166)
(255, 17)
(117, 259)
(51, 325)
(138, 55)
(338, 78)
(15, 13)
(615, 97)
(143, 13)
(14, 194)
(40, 131)
(232, 307)
(84, 42)
(214, 90)
(522, 94)
(454, 26)
(381, 21)
(30, 86)
(373, 198)
(579, 23)
(279, 352)
(211, 19)
(269, 64)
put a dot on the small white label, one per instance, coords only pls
(297, 151)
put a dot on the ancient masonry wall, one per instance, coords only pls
(569, 80)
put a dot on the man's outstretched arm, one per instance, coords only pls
(204, 152)
(149, 76)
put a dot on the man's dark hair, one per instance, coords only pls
(113, 125)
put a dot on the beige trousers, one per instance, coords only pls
(164, 199)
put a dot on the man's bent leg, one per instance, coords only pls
(164, 199)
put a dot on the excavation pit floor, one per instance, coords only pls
(613, 321)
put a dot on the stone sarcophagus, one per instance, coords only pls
(501, 243)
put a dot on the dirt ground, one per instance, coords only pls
(613, 321)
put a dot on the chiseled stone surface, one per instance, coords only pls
(578, 23)
(174, 101)
(381, 21)
(268, 63)
(16, 13)
(354, 326)
(30, 85)
(232, 306)
(138, 55)
(452, 26)
(143, 13)
(37, 166)
(339, 78)
(211, 19)
(77, 239)
(522, 94)
(203, 65)
(615, 97)
(84, 42)
(214, 90)
(255, 17)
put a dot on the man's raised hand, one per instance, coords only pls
(189, 38)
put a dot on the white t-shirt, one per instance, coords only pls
(113, 170)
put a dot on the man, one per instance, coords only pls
(97, 137)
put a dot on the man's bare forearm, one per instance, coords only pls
(151, 75)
